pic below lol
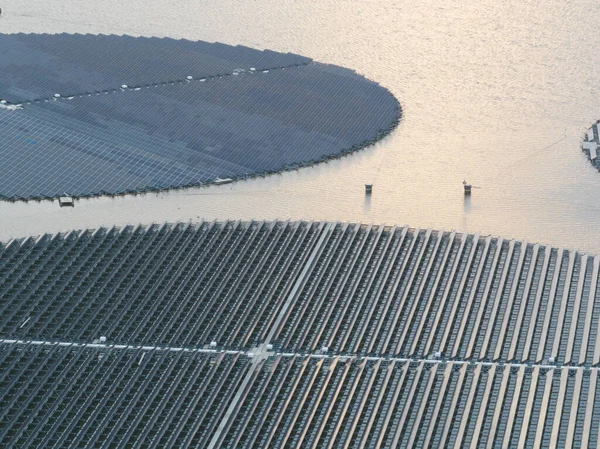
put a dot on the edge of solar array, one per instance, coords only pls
(380, 135)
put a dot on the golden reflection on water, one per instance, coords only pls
(498, 93)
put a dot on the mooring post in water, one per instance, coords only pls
(467, 188)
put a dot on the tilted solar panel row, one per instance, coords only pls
(366, 290)
(176, 285)
(352, 336)
(421, 293)
(57, 396)
(333, 402)
(371, 290)
(66, 397)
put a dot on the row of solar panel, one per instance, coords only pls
(67, 397)
(366, 290)
(326, 403)
(420, 293)
(64, 397)
(182, 286)
(39, 65)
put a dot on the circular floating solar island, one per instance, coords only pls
(88, 115)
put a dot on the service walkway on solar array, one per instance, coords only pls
(296, 334)
(90, 115)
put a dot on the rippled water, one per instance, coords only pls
(499, 93)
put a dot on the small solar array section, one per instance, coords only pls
(65, 397)
(332, 335)
(37, 66)
(423, 293)
(589, 146)
(183, 285)
(335, 402)
(163, 114)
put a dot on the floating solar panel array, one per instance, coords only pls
(590, 144)
(89, 115)
(296, 334)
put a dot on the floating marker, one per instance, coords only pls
(56, 95)
(124, 86)
(190, 77)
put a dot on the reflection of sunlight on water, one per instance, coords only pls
(488, 107)
(367, 204)
(467, 211)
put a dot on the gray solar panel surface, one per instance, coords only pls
(381, 336)
(36, 66)
(138, 114)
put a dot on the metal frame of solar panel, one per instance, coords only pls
(89, 115)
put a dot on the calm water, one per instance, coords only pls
(499, 93)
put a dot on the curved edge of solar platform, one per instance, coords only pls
(381, 134)
(82, 124)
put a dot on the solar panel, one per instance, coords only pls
(39, 65)
(87, 115)
(279, 334)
